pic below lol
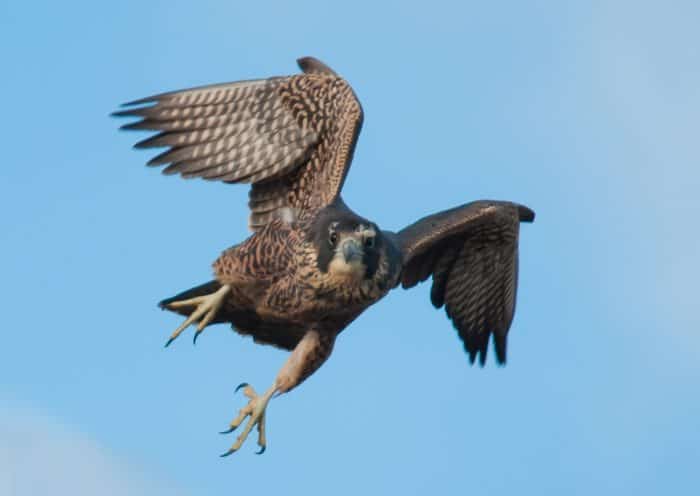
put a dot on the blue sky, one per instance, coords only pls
(585, 111)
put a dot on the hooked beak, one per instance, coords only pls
(352, 249)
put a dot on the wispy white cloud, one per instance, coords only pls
(39, 456)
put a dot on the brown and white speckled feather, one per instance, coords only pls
(291, 137)
(472, 254)
(264, 257)
(313, 265)
(278, 292)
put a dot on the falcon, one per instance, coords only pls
(312, 265)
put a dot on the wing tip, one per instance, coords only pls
(526, 214)
(500, 345)
(479, 352)
(311, 65)
(121, 113)
(161, 159)
(138, 112)
(132, 126)
(155, 141)
(137, 108)
(143, 101)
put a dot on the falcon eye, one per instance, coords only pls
(369, 242)
(333, 238)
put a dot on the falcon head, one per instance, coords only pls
(348, 247)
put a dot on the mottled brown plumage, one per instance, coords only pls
(312, 265)
(260, 132)
(472, 254)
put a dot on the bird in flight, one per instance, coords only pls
(312, 265)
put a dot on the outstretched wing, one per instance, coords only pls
(472, 253)
(291, 137)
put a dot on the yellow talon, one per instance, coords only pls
(207, 308)
(255, 409)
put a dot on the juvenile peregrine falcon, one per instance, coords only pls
(313, 265)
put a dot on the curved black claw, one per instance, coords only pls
(168, 342)
(241, 386)
(262, 450)
(196, 335)
(228, 453)
(229, 430)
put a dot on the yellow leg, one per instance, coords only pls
(308, 355)
(207, 307)
(255, 409)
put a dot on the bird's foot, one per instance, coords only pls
(205, 309)
(255, 409)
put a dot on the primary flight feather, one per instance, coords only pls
(312, 265)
